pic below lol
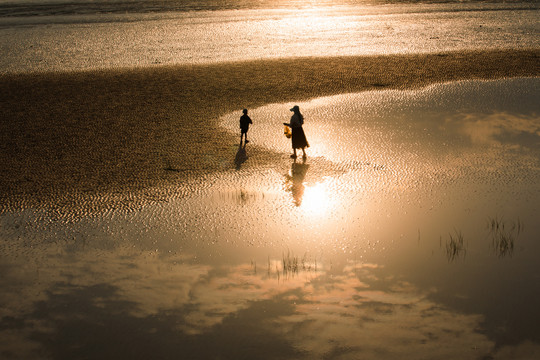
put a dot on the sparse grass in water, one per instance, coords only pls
(289, 265)
(455, 246)
(503, 235)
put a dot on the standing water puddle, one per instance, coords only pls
(410, 230)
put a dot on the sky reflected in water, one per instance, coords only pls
(410, 231)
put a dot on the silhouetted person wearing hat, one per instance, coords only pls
(245, 120)
(298, 137)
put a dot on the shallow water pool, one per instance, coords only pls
(411, 230)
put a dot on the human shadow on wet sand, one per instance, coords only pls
(295, 181)
(241, 156)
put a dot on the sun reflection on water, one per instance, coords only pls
(312, 198)
(316, 199)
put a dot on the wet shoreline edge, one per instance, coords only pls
(80, 135)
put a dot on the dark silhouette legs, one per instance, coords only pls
(244, 136)
(303, 153)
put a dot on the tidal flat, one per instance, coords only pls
(115, 131)
(133, 225)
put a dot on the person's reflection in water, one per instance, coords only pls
(295, 181)
(241, 156)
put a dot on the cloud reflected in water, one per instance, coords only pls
(172, 307)
(514, 130)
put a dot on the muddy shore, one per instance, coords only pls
(128, 132)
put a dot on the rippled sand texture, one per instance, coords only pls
(414, 237)
(153, 32)
(110, 139)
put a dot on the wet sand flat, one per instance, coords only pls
(414, 235)
(126, 132)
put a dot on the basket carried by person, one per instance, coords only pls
(287, 131)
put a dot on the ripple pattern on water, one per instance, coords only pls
(416, 148)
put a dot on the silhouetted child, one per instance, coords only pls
(245, 120)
